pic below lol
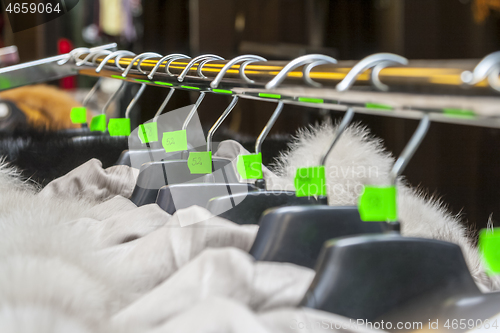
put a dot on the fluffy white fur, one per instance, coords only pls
(360, 159)
(48, 271)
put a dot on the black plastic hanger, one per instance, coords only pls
(247, 208)
(180, 195)
(155, 175)
(296, 234)
(176, 196)
(369, 276)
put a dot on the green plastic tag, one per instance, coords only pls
(174, 141)
(310, 181)
(459, 113)
(378, 204)
(200, 162)
(489, 246)
(98, 123)
(250, 166)
(119, 127)
(78, 115)
(148, 132)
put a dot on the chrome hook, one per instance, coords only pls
(374, 76)
(164, 104)
(134, 100)
(488, 67)
(193, 61)
(200, 67)
(167, 65)
(215, 83)
(410, 148)
(113, 97)
(120, 54)
(346, 120)
(219, 121)
(106, 52)
(71, 54)
(242, 71)
(93, 54)
(307, 72)
(300, 61)
(193, 110)
(366, 63)
(92, 92)
(267, 128)
(145, 55)
(172, 57)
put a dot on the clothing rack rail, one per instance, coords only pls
(454, 91)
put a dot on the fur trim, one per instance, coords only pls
(45, 156)
(44, 106)
(360, 159)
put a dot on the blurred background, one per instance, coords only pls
(460, 164)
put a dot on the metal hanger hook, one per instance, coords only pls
(300, 61)
(92, 54)
(193, 110)
(346, 120)
(410, 148)
(488, 67)
(72, 53)
(243, 76)
(134, 100)
(194, 60)
(267, 128)
(374, 76)
(366, 63)
(219, 121)
(92, 91)
(164, 104)
(115, 54)
(215, 83)
(145, 55)
(106, 52)
(113, 97)
(307, 72)
(174, 56)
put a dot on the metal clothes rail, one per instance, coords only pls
(455, 91)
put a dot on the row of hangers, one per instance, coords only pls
(364, 267)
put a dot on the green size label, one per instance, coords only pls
(98, 123)
(148, 132)
(200, 162)
(174, 141)
(459, 113)
(310, 181)
(266, 95)
(378, 204)
(250, 166)
(489, 246)
(118, 77)
(310, 100)
(119, 127)
(78, 115)
(378, 106)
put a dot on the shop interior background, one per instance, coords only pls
(461, 164)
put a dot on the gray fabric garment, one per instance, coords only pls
(157, 245)
(227, 272)
(90, 181)
(222, 315)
